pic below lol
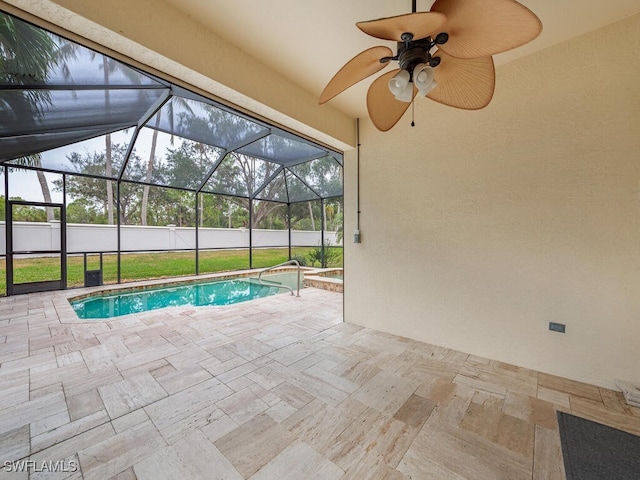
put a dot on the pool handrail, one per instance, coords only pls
(273, 284)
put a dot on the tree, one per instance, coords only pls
(90, 199)
(149, 172)
(35, 160)
(109, 66)
(276, 218)
(186, 111)
(339, 227)
(27, 57)
(108, 147)
(237, 175)
(84, 211)
(322, 177)
(92, 189)
(170, 206)
(187, 165)
(23, 213)
(301, 219)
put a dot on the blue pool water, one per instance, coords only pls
(337, 274)
(124, 302)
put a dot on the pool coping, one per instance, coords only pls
(167, 282)
(85, 292)
(319, 279)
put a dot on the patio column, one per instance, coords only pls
(197, 234)
(289, 225)
(118, 226)
(322, 263)
(250, 232)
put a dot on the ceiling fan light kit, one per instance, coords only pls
(444, 54)
(400, 86)
(423, 77)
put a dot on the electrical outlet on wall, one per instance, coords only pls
(557, 327)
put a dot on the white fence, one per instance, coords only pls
(28, 236)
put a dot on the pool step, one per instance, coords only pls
(265, 280)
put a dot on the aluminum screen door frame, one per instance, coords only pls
(12, 251)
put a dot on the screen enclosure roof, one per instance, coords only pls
(67, 108)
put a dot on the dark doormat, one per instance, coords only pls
(593, 451)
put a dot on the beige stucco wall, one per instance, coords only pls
(479, 228)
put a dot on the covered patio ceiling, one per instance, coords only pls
(309, 41)
(55, 93)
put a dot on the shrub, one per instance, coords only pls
(302, 260)
(323, 258)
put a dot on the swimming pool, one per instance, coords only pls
(335, 273)
(337, 276)
(219, 292)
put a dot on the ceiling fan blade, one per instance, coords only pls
(358, 68)
(384, 109)
(481, 28)
(466, 83)
(420, 25)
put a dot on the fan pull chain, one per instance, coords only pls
(413, 113)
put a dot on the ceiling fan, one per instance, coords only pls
(444, 54)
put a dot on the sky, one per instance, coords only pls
(24, 184)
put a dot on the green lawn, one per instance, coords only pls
(142, 266)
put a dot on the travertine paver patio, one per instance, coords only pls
(274, 388)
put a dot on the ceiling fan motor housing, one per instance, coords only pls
(413, 53)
